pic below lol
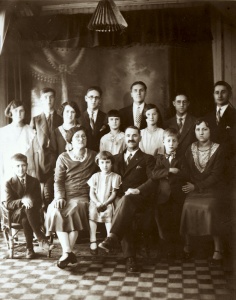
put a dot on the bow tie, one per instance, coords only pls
(172, 155)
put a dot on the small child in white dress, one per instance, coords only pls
(103, 189)
(152, 135)
(113, 141)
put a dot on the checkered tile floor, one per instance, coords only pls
(106, 278)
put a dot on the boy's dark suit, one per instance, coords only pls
(136, 173)
(94, 136)
(187, 136)
(169, 197)
(127, 118)
(224, 133)
(29, 218)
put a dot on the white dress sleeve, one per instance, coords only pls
(93, 181)
(116, 181)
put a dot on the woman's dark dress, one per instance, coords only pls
(201, 210)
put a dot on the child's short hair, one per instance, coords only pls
(19, 157)
(112, 113)
(170, 132)
(104, 155)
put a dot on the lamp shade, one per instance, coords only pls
(107, 17)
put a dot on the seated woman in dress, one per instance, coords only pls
(70, 112)
(68, 212)
(203, 168)
(152, 135)
(17, 137)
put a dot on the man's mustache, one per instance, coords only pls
(131, 141)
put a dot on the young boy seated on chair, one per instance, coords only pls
(166, 183)
(22, 197)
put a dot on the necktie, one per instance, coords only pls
(180, 124)
(92, 121)
(49, 121)
(218, 116)
(128, 159)
(170, 156)
(138, 117)
(23, 183)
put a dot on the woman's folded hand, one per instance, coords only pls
(60, 203)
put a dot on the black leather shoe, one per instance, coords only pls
(30, 254)
(131, 265)
(62, 264)
(108, 244)
(93, 251)
(73, 258)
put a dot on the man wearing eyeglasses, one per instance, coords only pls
(183, 122)
(93, 119)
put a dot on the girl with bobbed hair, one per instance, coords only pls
(205, 189)
(68, 212)
(17, 137)
(70, 112)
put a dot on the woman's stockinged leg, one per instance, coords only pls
(108, 227)
(65, 243)
(73, 235)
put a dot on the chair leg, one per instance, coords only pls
(11, 244)
(6, 236)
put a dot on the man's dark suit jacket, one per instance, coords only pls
(39, 123)
(127, 118)
(225, 134)
(100, 128)
(163, 183)
(187, 136)
(136, 173)
(14, 192)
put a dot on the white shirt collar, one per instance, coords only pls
(127, 153)
(182, 117)
(141, 106)
(93, 113)
(20, 178)
(222, 109)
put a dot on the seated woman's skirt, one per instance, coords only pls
(200, 215)
(73, 217)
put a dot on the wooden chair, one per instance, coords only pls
(11, 238)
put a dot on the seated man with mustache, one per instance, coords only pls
(135, 168)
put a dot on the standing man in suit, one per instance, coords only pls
(222, 122)
(183, 122)
(44, 124)
(93, 119)
(132, 115)
(135, 167)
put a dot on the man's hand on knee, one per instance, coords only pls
(27, 202)
(132, 191)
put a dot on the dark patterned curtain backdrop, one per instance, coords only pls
(169, 49)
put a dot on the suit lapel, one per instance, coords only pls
(165, 161)
(43, 124)
(120, 163)
(19, 189)
(173, 123)
(186, 128)
(134, 161)
(130, 114)
(99, 121)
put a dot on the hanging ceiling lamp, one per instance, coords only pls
(107, 17)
